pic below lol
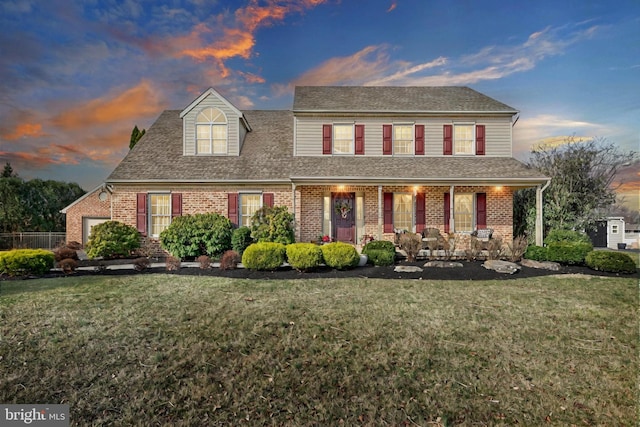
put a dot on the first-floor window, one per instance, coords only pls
(614, 228)
(402, 211)
(463, 212)
(159, 213)
(249, 204)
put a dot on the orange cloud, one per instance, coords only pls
(24, 130)
(138, 101)
(252, 78)
(394, 4)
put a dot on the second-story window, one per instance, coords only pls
(463, 139)
(342, 139)
(403, 139)
(211, 132)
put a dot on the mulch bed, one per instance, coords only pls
(469, 271)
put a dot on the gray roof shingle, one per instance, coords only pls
(415, 99)
(267, 155)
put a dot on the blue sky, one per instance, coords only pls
(76, 76)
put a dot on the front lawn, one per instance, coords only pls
(184, 350)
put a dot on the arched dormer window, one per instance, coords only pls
(211, 132)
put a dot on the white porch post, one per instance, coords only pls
(380, 212)
(452, 225)
(539, 231)
(295, 221)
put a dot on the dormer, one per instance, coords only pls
(213, 126)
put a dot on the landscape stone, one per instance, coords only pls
(407, 269)
(544, 265)
(443, 264)
(501, 266)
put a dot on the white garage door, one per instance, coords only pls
(87, 224)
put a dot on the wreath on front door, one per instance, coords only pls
(343, 208)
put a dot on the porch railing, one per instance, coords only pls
(32, 240)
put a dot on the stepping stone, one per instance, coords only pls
(543, 265)
(407, 269)
(443, 264)
(501, 266)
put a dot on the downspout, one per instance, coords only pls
(295, 222)
(380, 212)
(452, 225)
(539, 216)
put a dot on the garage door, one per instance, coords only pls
(87, 224)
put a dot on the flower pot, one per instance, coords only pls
(363, 260)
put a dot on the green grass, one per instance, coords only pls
(180, 350)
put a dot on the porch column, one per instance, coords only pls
(539, 232)
(452, 225)
(293, 203)
(380, 212)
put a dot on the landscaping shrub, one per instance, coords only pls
(517, 248)
(195, 235)
(613, 262)
(536, 253)
(112, 239)
(140, 264)
(273, 224)
(240, 239)
(380, 252)
(340, 255)
(204, 261)
(304, 256)
(68, 265)
(411, 244)
(564, 236)
(172, 263)
(76, 246)
(24, 262)
(264, 256)
(230, 260)
(568, 252)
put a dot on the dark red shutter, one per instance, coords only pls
(419, 140)
(141, 213)
(387, 139)
(359, 139)
(327, 134)
(481, 210)
(480, 140)
(267, 199)
(176, 204)
(447, 144)
(420, 212)
(232, 204)
(447, 211)
(388, 212)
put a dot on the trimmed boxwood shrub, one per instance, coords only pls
(564, 236)
(199, 234)
(380, 252)
(112, 239)
(240, 239)
(263, 256)
(613, 262)
(24, 262)
(536, 253)
(340, 255)
(568, 252)
(304, 256)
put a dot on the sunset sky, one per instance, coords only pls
(76, 76)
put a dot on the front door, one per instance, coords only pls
(343, 217)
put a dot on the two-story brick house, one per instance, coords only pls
(346, 161)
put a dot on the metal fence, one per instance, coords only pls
(31, 240)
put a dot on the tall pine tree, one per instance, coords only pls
(136, 134)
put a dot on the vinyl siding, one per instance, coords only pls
(308, 133)
(233, 126)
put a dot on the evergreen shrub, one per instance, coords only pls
(240, 239)
(380, 252)
(304, 256)
(264, 256)
(25, 262)
(195, 235)
(612, 262)
(112, 239)
(340, 255)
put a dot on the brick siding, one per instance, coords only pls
(89, 207)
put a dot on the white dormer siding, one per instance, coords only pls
(236, 126)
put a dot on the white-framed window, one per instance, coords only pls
(463, 138)
(403, 139)
(343, 139)
(614, 228)
(463, 212)
(211, 132)
(159, 213)
(249, 204)
(403, 211)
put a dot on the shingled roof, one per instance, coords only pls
(267, 156)
(395, 99)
